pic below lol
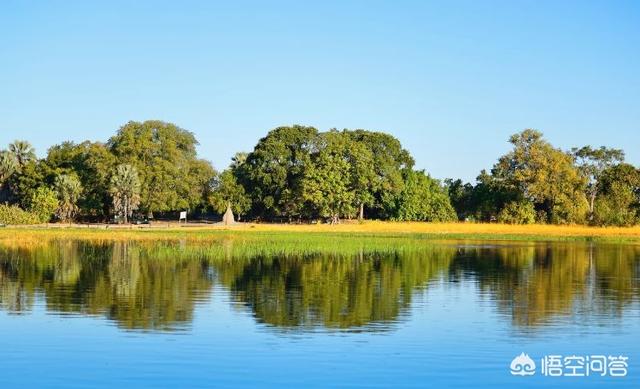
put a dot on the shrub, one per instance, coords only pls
(616, 210)
(570, 211)
(424, 199)
(44, 203)
(517, 212)
(12, 214)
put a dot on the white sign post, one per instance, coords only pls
(183, 216)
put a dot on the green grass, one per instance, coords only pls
(248, 242)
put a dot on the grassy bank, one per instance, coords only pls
(437, 231)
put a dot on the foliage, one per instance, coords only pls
(297, 173)
(8, 165)
(615, 209)
(43, 203)
(592, 163)
(460, 194)
(385, 181)
(555, 182)
(125, 191)
(423, 199)
(92, 163)
(68, 189)
(274, 171)
(518, 212)
(619, 202)
(13, 215)
(171, 175)
(482, 202)
(544, 175)
(226, 190)
(23, 152)
(328, 178)
(22, 185)
(287, 172)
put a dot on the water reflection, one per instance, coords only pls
(539, 283)
(111, 280)
(140, 287)
(333, 292)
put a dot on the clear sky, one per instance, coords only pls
(452, 79)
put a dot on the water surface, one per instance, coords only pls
(433, 314)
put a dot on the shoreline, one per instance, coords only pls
(417, 230)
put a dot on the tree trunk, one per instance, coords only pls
(592, 201)
(126, 211)
(361, 215)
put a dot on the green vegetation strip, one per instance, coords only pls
(323, 240)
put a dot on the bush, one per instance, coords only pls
(44, 203)
(423, 199)
(12, 214)
(517, 212)
(570, 211)
(615, 211)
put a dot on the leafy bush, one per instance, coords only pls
(616, 209)
(570, 211)
(518, 212)
(424, 199)
(44, 203)
(12, 214)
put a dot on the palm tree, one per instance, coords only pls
(68, 188)
(8, 165)
(125, 190)
(23, 152)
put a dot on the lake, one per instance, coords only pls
(415, 314)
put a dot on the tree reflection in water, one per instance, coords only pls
(114, 280)
(141, 287)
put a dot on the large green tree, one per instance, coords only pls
(544, 175)
(274, 170)
(390, 159)
(172, 177)
(92, 163)
(592, 163)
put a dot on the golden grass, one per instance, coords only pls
(426, 230)
(454, 229)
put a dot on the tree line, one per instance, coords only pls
(297, 173)
(538, 183)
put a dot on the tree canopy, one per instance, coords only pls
(171, 175)
(559, 186)
(300, 174)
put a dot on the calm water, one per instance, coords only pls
(447, 314)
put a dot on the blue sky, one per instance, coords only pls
(452, 79)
